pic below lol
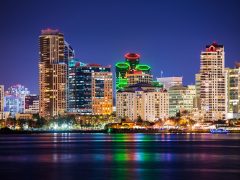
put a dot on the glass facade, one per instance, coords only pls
(80, 86)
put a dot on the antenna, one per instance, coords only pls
(161, 73)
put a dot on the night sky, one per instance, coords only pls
(169, 34)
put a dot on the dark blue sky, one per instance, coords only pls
(169, 34)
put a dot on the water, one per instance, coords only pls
(120, 156)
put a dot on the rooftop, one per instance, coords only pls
(50, 31)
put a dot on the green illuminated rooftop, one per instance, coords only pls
(143, 67)
(122, 65)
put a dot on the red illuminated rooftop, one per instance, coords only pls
(132, 56)
(213, 46)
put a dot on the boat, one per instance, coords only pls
(219, 131)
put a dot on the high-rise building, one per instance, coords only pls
(198, 88)
(88, 85)
(102, 93)
(54, 56)
(132, 72)
(181, 98)
(170, 81)
(190, 100)
(68, 52)
(136, 102)
(73, 96)
(212, 82)
(1, 98)
(137, 94)
(31, 104)
(14, 100)
(233, 92)
(139, 77)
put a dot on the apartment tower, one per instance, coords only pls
(52, 73)
(212, 83)
(1, 98)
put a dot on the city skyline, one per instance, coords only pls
(104, 43)
(120, 89)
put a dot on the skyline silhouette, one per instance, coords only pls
(169, 36)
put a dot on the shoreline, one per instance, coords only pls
(112, 131)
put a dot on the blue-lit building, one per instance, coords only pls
(14, 100)
(80, 86)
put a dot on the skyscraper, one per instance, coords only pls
(1, 98)
(132, 72)
(68, 51)
(53, 61)
(198, 88)
(233, 92)
(212, 82)
(102, 93)
(137, 94)
(2, 113)
(89, 88)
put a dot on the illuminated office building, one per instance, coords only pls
(132, 72)
(212, 82)
(89, 88)
(102, 94)
(139, 77)
(233, 92)
(181, 98)
(137, 94)
(14, 99)
(1, 98)
(31, 104)
(190, 99)
(136, 101)
(198, 88)
(170, 81)
(68, 52)
(53, 65)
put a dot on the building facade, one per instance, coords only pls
(14, 99)
(54, 55)
(139, 77)
(88, 85)
(1, 98)
(170, 81)
(132, 72)
(233, 92)
(181, 98)
(24, 116)
(149, 105)
(212, 82)
(102, 93)
(31, 104)
(198, 88)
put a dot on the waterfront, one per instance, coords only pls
(119, 156)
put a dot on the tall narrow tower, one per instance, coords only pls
(1, 98)
(52, 73)
(212, 82)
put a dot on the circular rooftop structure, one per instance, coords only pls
(132, 56)
(122, 65)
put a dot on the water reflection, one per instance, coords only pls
(120, 156)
